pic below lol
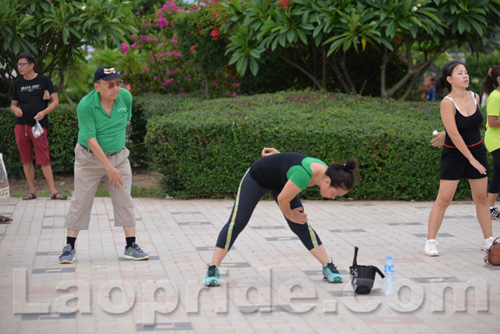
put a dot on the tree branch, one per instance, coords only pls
(297, 66)
(338, 74)
(417, 69)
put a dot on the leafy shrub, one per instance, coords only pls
(204, 148)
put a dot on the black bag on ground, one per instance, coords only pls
(362, 277)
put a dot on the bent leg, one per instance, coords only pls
(123, 206)
(88, 173)
(306, 233)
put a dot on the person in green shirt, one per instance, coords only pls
(284, 176)
(100, 154)
(491, 86)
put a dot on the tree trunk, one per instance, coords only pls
(412, 72)
(61, 87)
(383, 67)
(70, 101)
(338, 74)
(315, 81)
(412, 83)
(345, 73)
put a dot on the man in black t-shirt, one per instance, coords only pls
(30, 102)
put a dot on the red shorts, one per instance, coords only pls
(25, 142)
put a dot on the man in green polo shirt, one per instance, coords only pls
(100, 154)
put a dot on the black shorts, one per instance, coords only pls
(454, 166)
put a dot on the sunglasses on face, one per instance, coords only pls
(112, 85)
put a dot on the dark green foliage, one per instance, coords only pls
(145, 108)
(62, 137)
(8, 145)
(204, 148)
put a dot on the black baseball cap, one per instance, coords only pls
(106, 73)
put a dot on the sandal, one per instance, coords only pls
(58, 195)
(29, 196)
(4, 219)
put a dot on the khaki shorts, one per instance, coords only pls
(89, 173)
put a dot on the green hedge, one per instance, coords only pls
(204, 148)
(146, 108)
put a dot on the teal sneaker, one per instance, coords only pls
(135, 253)
(212, 278)
(68, 255)
(331, 274)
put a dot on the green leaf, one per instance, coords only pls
(477, 27)
(274, 44)
(241, 65)
(16, 46)
(302, 36)
(254, 53)
(307, 26)
(234, 58)
(282, 40)
(65, 34)
(461, 25)
(317, 30)
(254, 67)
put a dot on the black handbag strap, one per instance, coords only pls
(355, 260)
(379, 272)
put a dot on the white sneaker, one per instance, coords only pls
(430, 248)
(487, 243)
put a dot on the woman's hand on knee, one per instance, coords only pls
(299, 217)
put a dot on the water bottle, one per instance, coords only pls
(389, 276)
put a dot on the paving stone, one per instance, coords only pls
(269, 282)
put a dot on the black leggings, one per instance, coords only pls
(249, 194)
(494, 187)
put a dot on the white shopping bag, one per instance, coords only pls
(4, 182)
(37, 129)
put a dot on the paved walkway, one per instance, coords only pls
(271, 284)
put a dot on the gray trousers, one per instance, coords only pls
(88, 174)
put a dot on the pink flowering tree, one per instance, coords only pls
(204, 45)
(152, 62)
(158, 60)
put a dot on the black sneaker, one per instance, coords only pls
(495, 214)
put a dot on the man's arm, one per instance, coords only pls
(54, 102)
(14, 107)
(115, 177)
